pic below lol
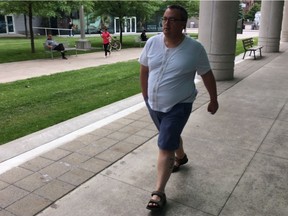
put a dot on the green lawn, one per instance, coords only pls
(30, 105)
(19, 49)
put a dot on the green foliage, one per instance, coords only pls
(192, 6)
(251, 13)
(240, 12)
(43, 8)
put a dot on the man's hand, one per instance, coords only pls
(213, 107)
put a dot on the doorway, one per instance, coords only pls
(6, 24)
(129, 25)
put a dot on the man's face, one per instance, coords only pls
(49, 37)
(172, 22)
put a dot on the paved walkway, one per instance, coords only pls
(238, 158)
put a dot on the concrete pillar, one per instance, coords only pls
(217, 33)
(270, 25)
(82, 43)
(284, 36)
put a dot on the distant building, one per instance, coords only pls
(14, 24)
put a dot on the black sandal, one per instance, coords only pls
(179, 162)
(157, 205)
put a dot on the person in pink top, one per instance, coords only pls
(106, 39)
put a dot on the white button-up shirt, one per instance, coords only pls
(172, 71)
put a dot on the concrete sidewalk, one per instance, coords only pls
(238, 158)
(10, 72)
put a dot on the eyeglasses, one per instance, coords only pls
(171, 19)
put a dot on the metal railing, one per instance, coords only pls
(46, 29)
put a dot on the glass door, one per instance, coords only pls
(10, 24)
(2, 24)
(6, 24)
(129, 25)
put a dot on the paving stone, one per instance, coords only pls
(88, 138)
(129, 129)
(113, 126)
(134, 115)
(54, 190)
(56, 169)
(118, 135)
(124, 121)
(56, 154)
(147, 133)
(10, 195)
(262, 190)
(36, 164)
(136, 140)
(140, 124)
(101, 132)
(104, 196)
(29, 205)
(110, 155)
(95, 165)
(15, 175)
(32, 182)
(276, 142)
(124, 147)
(96, 148)
(75, 159)
(73, 145)
(3, 185)
(152, 127)
(5, 213)
(99, 146)
(142, 112)
(76, 176)
(283, 116)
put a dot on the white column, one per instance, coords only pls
(284, 35)
(82, 43)
(270, 25)
(82, 25)
(217, 33)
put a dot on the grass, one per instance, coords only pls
(19, 49)
(30, 105)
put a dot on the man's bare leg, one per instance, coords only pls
(164, 168)
(179, 153)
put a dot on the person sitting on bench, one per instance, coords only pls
(51, 44)
(143, 36)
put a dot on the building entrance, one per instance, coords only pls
(6, 24)
(129, 25)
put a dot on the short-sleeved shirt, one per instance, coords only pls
(172, 71)
(51, 43)
(105, 36)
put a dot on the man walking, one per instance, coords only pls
(169, 62)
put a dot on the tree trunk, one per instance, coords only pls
(25, 25)
(31, 27)
(121, 28)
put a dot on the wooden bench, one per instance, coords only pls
(138, 40)
(66, 46)
(248, 45)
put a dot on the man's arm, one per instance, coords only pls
(47, 43)
(210, 84)
(144, 72)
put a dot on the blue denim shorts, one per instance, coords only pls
(170, 125)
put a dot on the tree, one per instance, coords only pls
(121, 9)
(251, 13)
(192, 6)
(40, 8)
